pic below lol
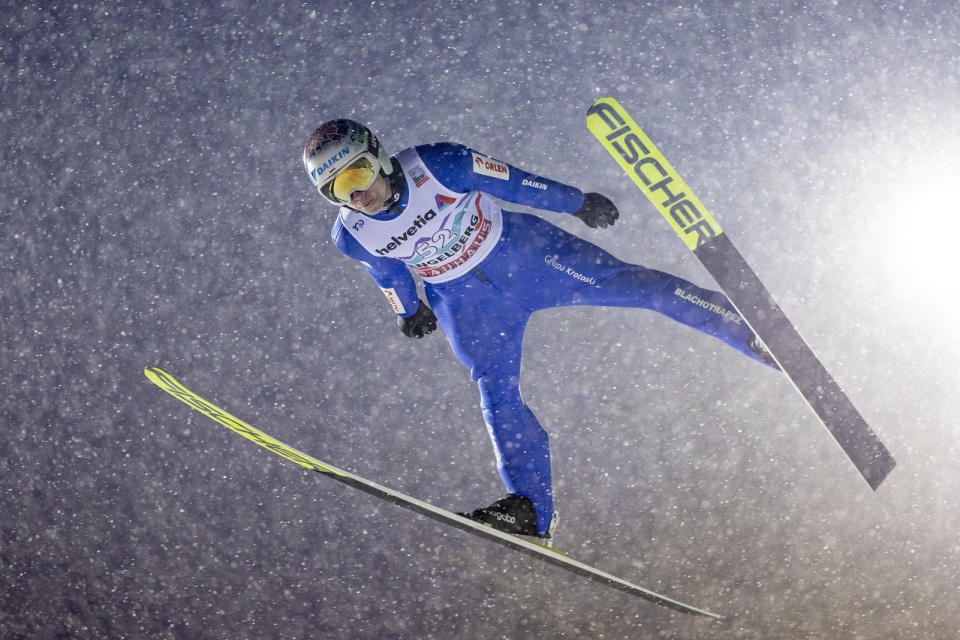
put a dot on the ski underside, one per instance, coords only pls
(663, 186)
(172, 386)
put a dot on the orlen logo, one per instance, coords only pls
(490, 167)
(329, 164)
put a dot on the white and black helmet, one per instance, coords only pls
(340, 144)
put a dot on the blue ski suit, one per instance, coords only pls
(486, 270)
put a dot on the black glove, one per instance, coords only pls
(420, 323)
(597, 211)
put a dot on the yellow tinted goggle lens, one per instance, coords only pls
(357, 177)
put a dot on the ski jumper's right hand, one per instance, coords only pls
(420, 323)
(597, 211)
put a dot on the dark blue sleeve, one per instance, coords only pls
(388, 273)
(463, 169)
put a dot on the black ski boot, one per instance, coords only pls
(513, 514)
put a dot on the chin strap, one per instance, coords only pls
(398, 185)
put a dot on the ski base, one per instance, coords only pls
(535, 550)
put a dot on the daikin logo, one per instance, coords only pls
(329, 164)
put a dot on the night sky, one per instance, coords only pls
(156, 212)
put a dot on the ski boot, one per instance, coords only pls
(514, 515)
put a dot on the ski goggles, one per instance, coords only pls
(356, 176)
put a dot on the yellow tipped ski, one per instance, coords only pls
(675, 200)
(652, 172)
(170, 384)
(535, 550)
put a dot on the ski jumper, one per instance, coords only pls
(486, 270)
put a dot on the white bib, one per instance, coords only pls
(441, 234)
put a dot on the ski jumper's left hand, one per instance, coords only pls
(597, 211)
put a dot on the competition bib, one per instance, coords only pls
(440, 234)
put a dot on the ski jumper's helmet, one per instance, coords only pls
(343, 156)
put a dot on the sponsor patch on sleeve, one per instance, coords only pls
(394, 300)
(490, 167)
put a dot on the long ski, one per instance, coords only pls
(172, 386)
(663, 186)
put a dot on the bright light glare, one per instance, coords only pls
(924, 216)
(916, 199)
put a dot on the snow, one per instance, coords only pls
(155, 212)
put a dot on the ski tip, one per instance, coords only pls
(154, 373)
(599, 103)
(161, 378)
